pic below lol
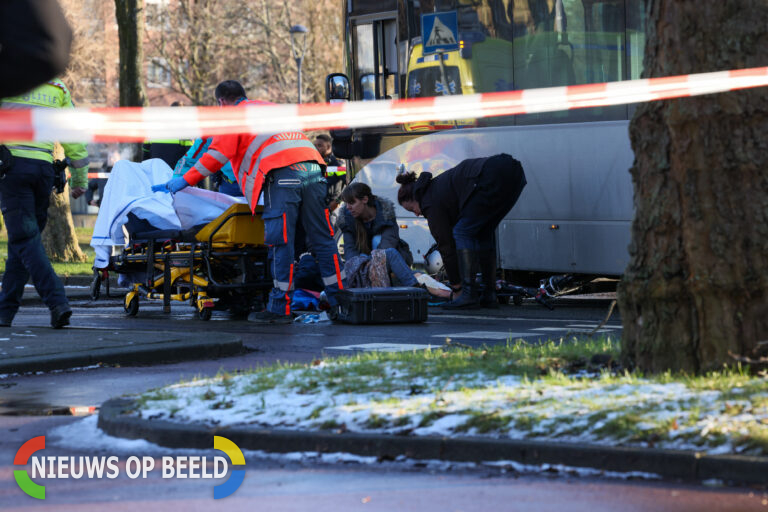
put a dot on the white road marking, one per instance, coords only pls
(567, 329)
(502, 318)
(592, 326)
(381, 347)
(485, 335)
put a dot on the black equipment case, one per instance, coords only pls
(382, 305)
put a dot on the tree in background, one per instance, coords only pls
(695, 294)
(84, 78)
(202, 42)
(130, 29)
(86, 73)
(59, 236)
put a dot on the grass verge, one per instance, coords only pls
(565, 391)
(61, 268)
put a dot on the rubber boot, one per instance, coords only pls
(468, 265)
(488, 270)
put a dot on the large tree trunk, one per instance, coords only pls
(59, 237)
(695, 290)
(130, 31)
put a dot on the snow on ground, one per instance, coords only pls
(604, 410)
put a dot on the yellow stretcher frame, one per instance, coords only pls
(188, 264)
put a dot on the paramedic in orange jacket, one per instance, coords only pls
(287, 168)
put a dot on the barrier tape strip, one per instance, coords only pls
(132, 124)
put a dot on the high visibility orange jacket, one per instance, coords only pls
(253, 157)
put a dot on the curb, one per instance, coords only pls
(162, 352)
(669, 464)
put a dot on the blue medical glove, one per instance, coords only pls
(174, 185)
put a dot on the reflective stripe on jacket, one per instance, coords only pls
(53, 94)
(253, 157)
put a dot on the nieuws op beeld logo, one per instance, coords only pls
(91, 467)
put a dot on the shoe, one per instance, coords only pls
(268, 317)
(468, 264)
(60, 316)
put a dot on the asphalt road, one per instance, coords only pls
(308, 485)
(34, 404)
(57, 392)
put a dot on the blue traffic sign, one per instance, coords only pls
(439, 31)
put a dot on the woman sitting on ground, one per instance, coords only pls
(367, 223)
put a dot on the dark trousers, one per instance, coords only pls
(24, 196)
(498, 188)
(292, 195)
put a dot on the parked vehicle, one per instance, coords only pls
(574, 216)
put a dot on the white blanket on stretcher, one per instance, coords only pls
(129, 190)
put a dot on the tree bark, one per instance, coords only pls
(130, 31)
(695, 292)
(59, 237)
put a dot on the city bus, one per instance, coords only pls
(575, 214)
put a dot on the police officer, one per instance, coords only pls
(289, 171)
(25, 193)
(464, 206)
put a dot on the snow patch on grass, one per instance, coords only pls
(458, 392)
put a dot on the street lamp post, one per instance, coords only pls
(298, 47)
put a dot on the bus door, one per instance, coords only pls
(374, 43)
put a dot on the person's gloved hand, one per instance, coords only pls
(173, 186)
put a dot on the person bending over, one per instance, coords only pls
(464, 206)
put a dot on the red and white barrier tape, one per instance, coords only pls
(139, 124)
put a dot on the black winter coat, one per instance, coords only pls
(441, 200)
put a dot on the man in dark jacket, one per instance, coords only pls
(464, 206)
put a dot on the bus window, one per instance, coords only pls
(364, 64)
(635, 42)
(568, 42)
(371, 6)
(368, 86)
(376, 61)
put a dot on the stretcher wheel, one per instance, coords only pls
(517, 300)
(205, 314)
(132, 308)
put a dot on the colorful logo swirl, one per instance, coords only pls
(21, 475)
(236, 477)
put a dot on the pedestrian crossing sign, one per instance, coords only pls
(439, 31)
